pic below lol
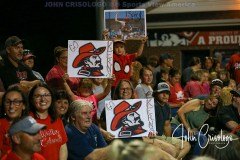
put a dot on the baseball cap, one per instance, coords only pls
(217, 82)
(166, 56)
(27, 54)
(162, 87)
(27, 124)
(235, 92)
(12, 41)
(117, 40)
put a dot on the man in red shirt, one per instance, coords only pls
(25, 138)
(233, 66)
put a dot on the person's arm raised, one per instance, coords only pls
(67, 88)
(106, 91)
(141, 47)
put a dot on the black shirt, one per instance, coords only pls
(228, 113)
(162, 114)
(10, 74)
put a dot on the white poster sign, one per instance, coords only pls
(130, 118)
(125, 23)
(90, 59)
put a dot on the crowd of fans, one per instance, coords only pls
(60, 117)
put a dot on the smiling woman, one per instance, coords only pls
(14, 105)
(54, 138)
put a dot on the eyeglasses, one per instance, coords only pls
(14, 102)
(39, 96)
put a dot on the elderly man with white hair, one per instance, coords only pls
(85, 140)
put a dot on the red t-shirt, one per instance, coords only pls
(5, 144)
(53, 137)
(122, 67)
(13, 156)
(233, 66)
(194, 89)
(54, 79)
(177, 94)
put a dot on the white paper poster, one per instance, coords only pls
(125, 24)
(130, 118)
(90, 59)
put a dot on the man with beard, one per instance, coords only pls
(12, 70)
(25, 137)
(89, 60)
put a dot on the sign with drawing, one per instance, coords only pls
(125, 24)
(130, 118)
(90, 59)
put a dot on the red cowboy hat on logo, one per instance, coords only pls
(121, 110)
(85, 51)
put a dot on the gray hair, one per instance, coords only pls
(77, 106)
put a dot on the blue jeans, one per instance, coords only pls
(198, 141)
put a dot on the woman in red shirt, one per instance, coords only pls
(54, 138)
(14, 105)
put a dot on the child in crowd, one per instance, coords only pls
(121, 60)
(224, 76)
(85, 92)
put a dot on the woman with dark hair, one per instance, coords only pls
(62, 103)
(177, 97)
(124, 90)
(194, 65)
(14, 106)
(54, 138)
(209, 64)
(54, 76)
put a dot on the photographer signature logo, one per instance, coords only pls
(220, 141)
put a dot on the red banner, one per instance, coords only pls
(207, 38)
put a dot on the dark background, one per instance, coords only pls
(44, 28)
